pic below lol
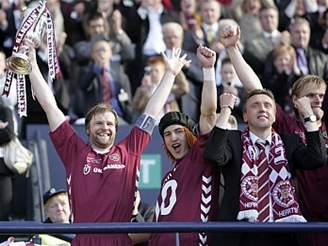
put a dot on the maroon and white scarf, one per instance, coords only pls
(283, 204)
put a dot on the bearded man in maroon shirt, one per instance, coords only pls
(101, 175)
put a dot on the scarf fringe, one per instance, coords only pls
(292, 218)
(250, 215)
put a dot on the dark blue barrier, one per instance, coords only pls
(97, 228)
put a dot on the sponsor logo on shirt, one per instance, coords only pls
(114, 157)
(86, 169)
(114, 166)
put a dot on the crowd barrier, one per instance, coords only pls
(25, 228)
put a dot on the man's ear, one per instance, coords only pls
(245, 116)
(46, 211)
(294, 98)
(88, 132)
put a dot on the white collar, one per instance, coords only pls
(214, 27)
(274, 33)
(255, 138)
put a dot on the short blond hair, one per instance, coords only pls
(302, 82)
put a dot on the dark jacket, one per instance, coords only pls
(317, 63)
(90, 85)
(6, 134)
(224, 148)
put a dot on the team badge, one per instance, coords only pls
(249, 187)
(114, 157)
(86, 169)
(283, 194)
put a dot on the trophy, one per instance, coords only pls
(33, 28)
(37, 20)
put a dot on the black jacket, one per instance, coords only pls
(224, 148)
(6, 134)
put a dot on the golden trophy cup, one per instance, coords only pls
(33, 28)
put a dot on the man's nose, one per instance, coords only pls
(319, 97)
(173, 136)
(262, 107)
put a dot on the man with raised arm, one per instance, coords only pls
(307, 95)
(101, 175)
(189, 190)
(257, 166)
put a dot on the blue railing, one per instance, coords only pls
(26, 228)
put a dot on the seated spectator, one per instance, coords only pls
(57, 210)
(151, 80)
(106, 82)
(56, 206)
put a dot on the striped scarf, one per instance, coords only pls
(283, 207)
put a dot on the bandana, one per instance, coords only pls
(284, 207)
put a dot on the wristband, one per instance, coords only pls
(227, 106)
(208, 74)
(146, 122)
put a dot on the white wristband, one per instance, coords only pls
(208, 74)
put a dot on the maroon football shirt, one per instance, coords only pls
(101, 186)
(188, 193)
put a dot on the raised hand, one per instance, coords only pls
(303, 106)
(117, 22)
(206, 57)
(174, 63)
(227, 100)
(229, 33)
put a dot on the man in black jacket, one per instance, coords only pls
(257, 164)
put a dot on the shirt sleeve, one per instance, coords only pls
(67, 143)
(136, 141)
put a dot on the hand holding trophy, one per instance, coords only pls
(36, 21)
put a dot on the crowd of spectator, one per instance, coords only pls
(276, 36)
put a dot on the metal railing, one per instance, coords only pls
(25, 228)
